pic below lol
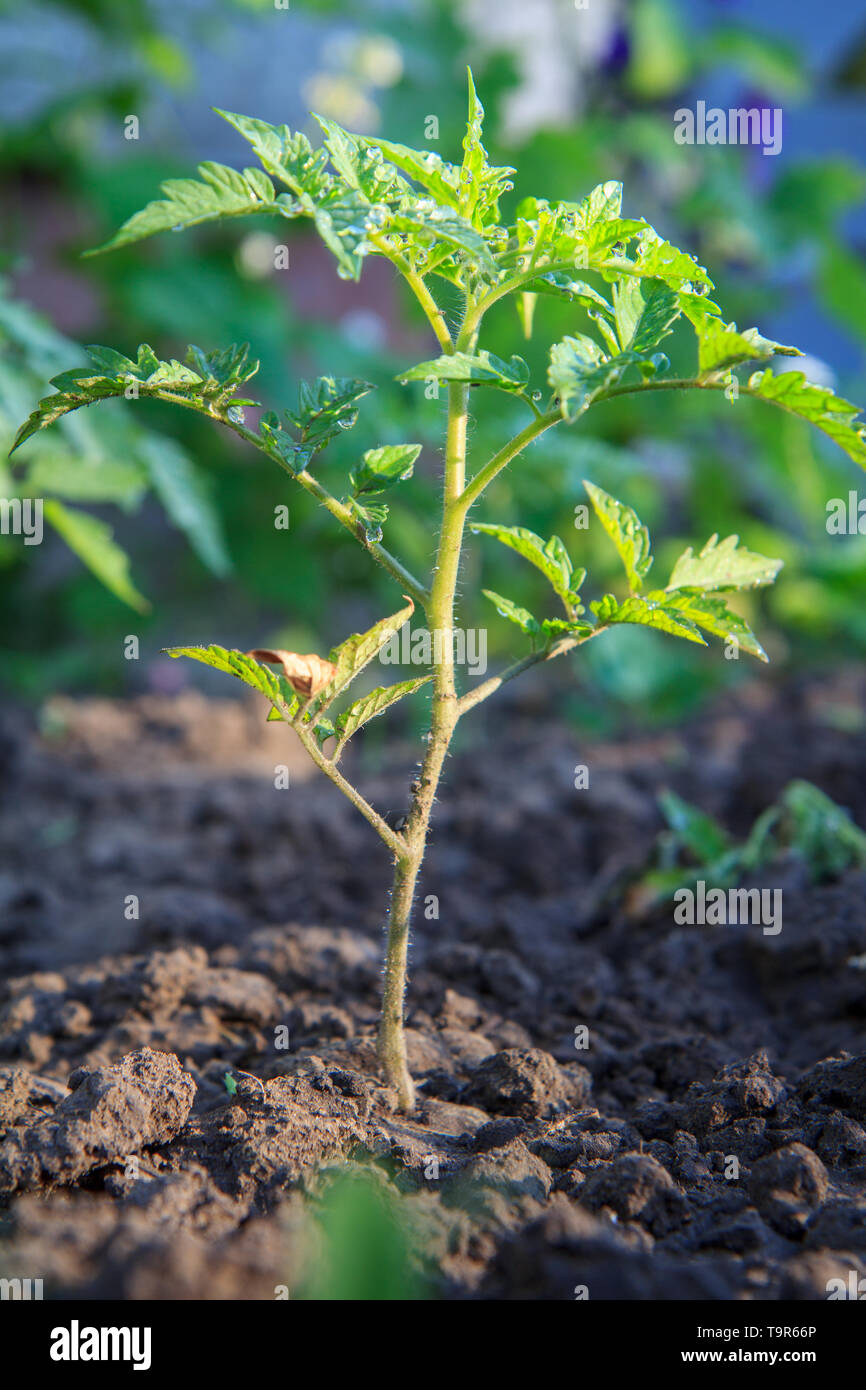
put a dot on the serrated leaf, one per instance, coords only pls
(425, 167)
(218, 192)
(658, 258)
(551, 557)
(579, 371)
(649, 610)
(561, 284)
(150, 377)
(602, 204)
(361, 165)
(245, 668)
(481, 366)
(226, 367)
(624, 527)
(339, 212)
(94, 544)
(382, 468)
(817, 404)
(645, 311)
(326, 408)
(480, 184)
(374, 704)
(431, 224)
(287, 156)
(714, 616)
(351, 656)
(506, 609)
(722, 565)
(721, 346)
(371, 515)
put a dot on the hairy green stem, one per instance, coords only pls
(443, 719)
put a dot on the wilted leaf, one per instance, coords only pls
(305, 674)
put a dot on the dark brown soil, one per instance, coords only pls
(709, 1142)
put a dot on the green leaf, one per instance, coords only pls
(482, 366)
(427, 168)
(658, 258)
(551, 557)
(287, 156)
(699, 833)
(210, 390)
(371, 515)
(369, 706)
(338, 211)
(579, 371)
(93, 542)
(714, 616)
(602, 204)
(835, 416)
(650, 610)
(218, 192)
(645, 312)
(428, 225)
(506, 609)
(326, 408)
(351, 656)
(721, 346)
(820, 831)
(561, 284)
(361, 165)
(625, 530)
(382, 468)
(722, 565)
(260, 678)
(480, 185)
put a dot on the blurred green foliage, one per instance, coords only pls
(688, 466)
(364, 1249)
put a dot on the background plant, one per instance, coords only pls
(439, 224)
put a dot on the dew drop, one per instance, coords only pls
(373, 535)
(536, 395)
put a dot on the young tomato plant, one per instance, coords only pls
(438, 222)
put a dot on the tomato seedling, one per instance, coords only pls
(440, 224)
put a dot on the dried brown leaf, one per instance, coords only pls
(306, 674)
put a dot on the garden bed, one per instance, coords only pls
(530, 1167)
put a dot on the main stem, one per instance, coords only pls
(444, 716)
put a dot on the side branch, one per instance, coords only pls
(515, 446)
(483, 692)
(383, 557)
(395, 842)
